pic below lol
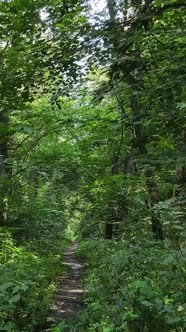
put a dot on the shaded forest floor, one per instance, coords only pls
(68, 299)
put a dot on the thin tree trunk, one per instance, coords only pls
(4, 168)
(140, 141)
(111, 5)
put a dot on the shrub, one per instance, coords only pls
(137, 287)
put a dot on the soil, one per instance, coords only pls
(69, 295)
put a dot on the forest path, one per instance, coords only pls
(68, 297)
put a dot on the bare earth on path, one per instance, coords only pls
(68, 297)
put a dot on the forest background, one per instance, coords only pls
(92, 146)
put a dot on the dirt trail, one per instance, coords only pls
(68, 297)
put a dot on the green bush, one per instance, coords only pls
(27, 285)
(133, 287)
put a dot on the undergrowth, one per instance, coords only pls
(27, 283)
(133, 288)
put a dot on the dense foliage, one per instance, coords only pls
(92, 146)
(133, 287)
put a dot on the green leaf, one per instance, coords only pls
(178, 227)
(107, 329)
(146, 303)
(15, 298)
(6, 285)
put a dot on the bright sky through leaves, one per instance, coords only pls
(98, 5)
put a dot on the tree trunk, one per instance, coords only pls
(140, 141)
(108, 231)
(4, 167)
(111, 4)
(154, 199)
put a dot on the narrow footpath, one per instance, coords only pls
(69, 296)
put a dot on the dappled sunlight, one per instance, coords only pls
(74, 266)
